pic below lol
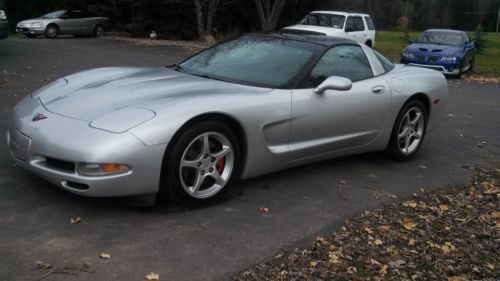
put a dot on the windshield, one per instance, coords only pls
(54, 15)
(254, 60)
(326, 20)
(441, 38)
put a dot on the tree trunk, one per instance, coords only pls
(205, 12)
(269, 14)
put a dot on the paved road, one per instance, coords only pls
(210, 243)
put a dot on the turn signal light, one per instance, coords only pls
(105, 169)
(115, 168)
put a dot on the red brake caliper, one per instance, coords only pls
(220, 165)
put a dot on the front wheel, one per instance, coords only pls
(51, 31)
(409, 131)
(202, 164)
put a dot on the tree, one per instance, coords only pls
(205, 12)
(269, 12)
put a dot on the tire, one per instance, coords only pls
(460, 71)
(472, 63)
(30, 35)
(98, 30)
(52, 31)
(408, 132)
(194, 174)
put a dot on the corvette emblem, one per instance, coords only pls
(38, 117)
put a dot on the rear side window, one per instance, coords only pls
(355, 24)
(369, 23)
(345, 61)
(386, 64)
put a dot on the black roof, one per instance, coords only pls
(325, 41)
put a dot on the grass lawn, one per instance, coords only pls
(391, 44)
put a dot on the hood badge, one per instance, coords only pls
(38, 117)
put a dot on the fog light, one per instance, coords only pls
(105, 169)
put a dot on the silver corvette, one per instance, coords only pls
(76, 22)
(241, 109)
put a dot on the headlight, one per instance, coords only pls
(3, 16)
(448, 59)
(36, 24)
(106, 169)
(408, 55)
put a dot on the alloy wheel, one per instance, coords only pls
(411, 130)
(206, 165)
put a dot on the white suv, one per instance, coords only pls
(357, 27)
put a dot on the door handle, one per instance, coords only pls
(378, 90)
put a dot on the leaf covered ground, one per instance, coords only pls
(451, 235)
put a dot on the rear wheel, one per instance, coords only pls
(202, 164)
(409, 131)
(51, 31)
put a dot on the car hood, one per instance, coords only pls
(435, 49)
(313, 28)
(95, 93)
(30, 21)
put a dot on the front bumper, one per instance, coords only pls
(440, 68)
(53, 148)
(445, 68)
(4, 29)
(30, 30)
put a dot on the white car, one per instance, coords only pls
(354, 26)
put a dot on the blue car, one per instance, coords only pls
(449, 51)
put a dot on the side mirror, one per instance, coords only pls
(334, 83)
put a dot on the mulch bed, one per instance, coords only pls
(451, 235)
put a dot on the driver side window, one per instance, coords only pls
(345, 61)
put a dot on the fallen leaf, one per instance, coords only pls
(152, 276)
(378, 242)
(456, 278)
(496, 214)
(384, 229)
(383, 271)
(74, 220)
(443, 207)
(264, 210)
(368, 230)
(313, 264)
(411, 204)
(409, 224)
(42, 265)
(333, 259)
(105, 256)
(411, 242)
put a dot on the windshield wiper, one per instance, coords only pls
(176, 67)
(206, 76)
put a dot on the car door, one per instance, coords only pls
(355, 29)
(89, 20)
(71, 22)
(335, 120)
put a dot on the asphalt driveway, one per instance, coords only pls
(210, 243)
